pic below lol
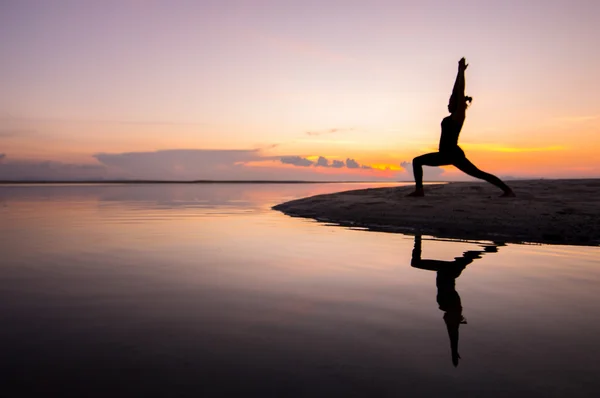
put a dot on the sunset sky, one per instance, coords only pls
(286, 89)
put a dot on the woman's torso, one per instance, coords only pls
(450, 131)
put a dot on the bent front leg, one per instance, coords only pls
(429, 159)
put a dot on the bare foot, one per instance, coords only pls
(419, 192)
(508, 194)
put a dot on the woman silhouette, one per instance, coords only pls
(449, 151)
(447, 297)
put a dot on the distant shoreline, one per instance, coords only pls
(198, 182)
(133, 182)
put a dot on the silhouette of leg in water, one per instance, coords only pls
(457, 159)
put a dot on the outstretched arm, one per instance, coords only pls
(436, 265)
(426, 264)
(459, 84)
(458, 92)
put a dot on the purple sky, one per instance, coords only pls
(360, 80)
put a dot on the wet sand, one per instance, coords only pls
(544, 211)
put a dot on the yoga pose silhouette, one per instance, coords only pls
(449, 151)
(447, 296)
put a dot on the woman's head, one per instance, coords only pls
(453, 103)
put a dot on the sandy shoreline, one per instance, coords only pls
(544, 211)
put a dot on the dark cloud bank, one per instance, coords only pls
(186, 165)
(196, 164)
(49, 171)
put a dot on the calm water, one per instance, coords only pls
(202, 290)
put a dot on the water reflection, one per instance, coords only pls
(447, 297)
(145, 290)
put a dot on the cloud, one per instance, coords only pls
(296, 161)
(186, 165)
(180, 163)
(322, 162)
(49, 171)
(218, 165)
(2, 156)
(321, 132)
(352, 164)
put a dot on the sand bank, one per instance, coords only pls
(544, 211)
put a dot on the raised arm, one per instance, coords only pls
(437, 265)
(457, 100)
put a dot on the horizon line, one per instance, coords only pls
(7, 182)
(133, 182)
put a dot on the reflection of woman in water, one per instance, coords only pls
(447, 296)
(449, 151)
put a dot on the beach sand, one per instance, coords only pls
(544, 211)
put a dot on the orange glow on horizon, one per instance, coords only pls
(387, 167)
(502, 148)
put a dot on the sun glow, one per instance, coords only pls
(503, 148)
(386, 167)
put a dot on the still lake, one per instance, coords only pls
(203, 290)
